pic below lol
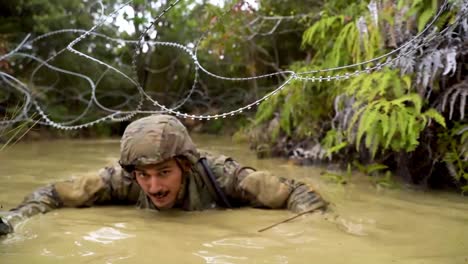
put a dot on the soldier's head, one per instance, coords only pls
(157, 150)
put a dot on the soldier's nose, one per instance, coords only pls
(154, 185)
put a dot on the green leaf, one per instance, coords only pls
(464, 137)
(336, 148)
(367, 119)
(375, 143)
(416, 3)
(407, 80)
(375, 167)
(361, 168)
(266, 109)
(400, 4)
(424, 18)
(402, 124)
(436, 116)
(385, 123)
(356, 116)
(393, 123)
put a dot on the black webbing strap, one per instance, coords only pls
(221, 196)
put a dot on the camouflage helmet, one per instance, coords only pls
(154, 139)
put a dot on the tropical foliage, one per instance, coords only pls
(405, 111)
(398, 115)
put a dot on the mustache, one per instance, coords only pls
(159, 193)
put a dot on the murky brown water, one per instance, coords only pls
(374, 225)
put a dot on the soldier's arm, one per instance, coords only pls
(110, 186)
(263, 189)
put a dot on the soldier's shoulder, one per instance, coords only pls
(213, 156)
(112, 169)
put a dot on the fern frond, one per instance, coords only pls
(415, 99)
(424, 18)
(368, 119)
(344, 40)
(383, 84)
(354, 119)
(333, 142)
(266, 110)
(412, 134)
(320, 30)
(392, 128)
(375, 142)
(375, 42)
(436, 116)
(385, 123)
(395, 124)
(407, 80)
(375, 167)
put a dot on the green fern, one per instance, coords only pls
(341, 43)
(266, 109)
(453, 146)
(392, 124)
(348, 39)
(436, 116)
(333, 142)
(385, 83)
(285, 118)
(425, 9)
(320, 31)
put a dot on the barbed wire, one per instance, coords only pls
(118, 115)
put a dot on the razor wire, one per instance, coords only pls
(420, 40)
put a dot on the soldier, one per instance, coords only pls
(160, 168)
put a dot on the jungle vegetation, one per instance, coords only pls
(407, 118)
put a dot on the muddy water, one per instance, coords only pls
(369, 225)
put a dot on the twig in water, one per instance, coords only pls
(292, 218)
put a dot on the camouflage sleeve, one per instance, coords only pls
(263, 189)
(110, 186)
(303, 197)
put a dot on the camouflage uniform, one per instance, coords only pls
(157, 138)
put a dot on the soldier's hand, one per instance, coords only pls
(267, 189)
(305, 199)
(5, 228)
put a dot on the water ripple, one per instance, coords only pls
(238, 242)
(212, 258)
(106, 235)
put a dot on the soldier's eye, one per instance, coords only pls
(140, 174)
(165, 172)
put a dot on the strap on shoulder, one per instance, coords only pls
(214, 183)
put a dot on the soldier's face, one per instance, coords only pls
(161, 182)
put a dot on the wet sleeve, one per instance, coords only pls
(263, 189)
(110, 186)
